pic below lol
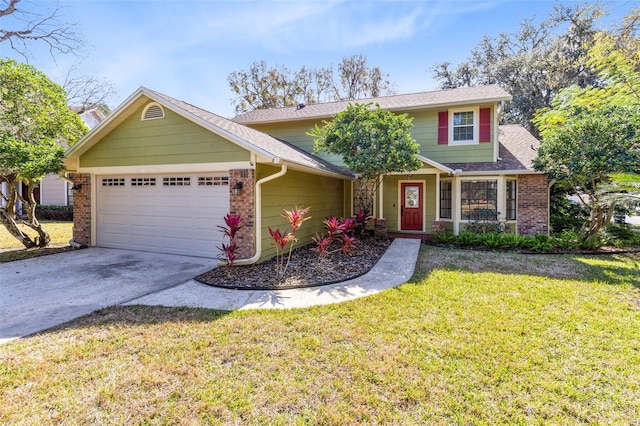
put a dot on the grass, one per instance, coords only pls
(11, 249)
(472, 339)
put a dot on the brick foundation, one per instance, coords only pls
(243, 204)
(533, 205)
(82, 208)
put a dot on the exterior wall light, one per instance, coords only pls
(237, 188)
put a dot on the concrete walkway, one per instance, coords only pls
(395, 267)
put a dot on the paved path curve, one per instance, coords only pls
(395, 267)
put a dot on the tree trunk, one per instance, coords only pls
(43, 239)
(8, 216)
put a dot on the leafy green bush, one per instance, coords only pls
(491, 240)
(621, 236)
(515, 241)
(467, 238)
(541, 243)
(57, 213)
(593, 242)
(444, 238)
(568, 239)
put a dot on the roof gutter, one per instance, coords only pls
(258, 222)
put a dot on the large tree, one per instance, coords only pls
(263, 86)
(22, 24)
(594, 132)
(35, 127)
(372, 142)
(534, 63)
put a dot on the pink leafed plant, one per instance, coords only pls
(296, 217)
(322, 244)
(233, 224)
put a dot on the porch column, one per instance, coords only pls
(243, 204)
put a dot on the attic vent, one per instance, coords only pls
(152, 111)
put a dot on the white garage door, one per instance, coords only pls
(164, 213)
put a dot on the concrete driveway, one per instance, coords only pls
(42, 292)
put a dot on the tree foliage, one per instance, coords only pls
(534, 63)
(372, 142)
(35, 127)
(592, 133)
(22, 25)
(263, 86)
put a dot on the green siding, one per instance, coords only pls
(323, 194)
(390, 198)
(425, 132)
(296, 134)
(171, 140)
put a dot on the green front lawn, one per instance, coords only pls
(474, 338)
(11, 249)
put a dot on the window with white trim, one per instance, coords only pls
(512, 200)
(463, 126)
(479, 199)
(446, 199)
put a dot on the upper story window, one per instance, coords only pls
(152, 111)
(464, 126)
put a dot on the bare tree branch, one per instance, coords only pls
(24, 24)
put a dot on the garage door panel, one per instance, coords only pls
(169, 219)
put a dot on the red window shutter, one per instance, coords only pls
(485, 124)
(443, 128)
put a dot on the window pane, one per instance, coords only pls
(463, 126)
(445, 199)
(511, 200)
(478, 200)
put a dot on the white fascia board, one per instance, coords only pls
(167, 168)
(435, 164)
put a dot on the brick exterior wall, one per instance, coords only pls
(243, 204)
(533, 205)
(82, 208)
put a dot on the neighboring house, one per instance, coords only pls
(159, 174)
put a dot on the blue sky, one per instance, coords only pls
(186, 49)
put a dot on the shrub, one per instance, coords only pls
(621, 236)
(491, 240)
(341, 232)
(541, 243)
(568, 239)
(594, 242)
(515, 241)
(444, 238)
(467, 238)
(295, 217)
(485, 221)
(57, 213)
(233, 223)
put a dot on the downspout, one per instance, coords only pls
(258, 221)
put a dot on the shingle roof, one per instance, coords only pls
(433, 99)
(518, 148)
(260, 141)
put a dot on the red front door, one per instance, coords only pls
(411, 206)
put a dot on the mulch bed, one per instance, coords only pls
(305, 268)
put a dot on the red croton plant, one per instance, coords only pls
(295, 217)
